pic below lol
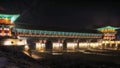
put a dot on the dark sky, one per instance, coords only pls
(65, 14)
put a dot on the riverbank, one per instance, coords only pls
(92, 59)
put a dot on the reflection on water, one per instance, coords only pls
(35, 56)
(96, 53)
(57, 53)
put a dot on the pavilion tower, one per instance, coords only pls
(6, 24)
(108, 32)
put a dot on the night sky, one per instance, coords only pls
(70, 15)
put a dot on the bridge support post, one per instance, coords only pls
(116, 46)
(88, 44)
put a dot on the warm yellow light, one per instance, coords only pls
(57, 46)
(117, 41)
(107, 42)
(94, 45)
(20, 43)
(10, 42)
(112, 42)
(83, 45)
(40, 46)
(7, 43)
(103, 41)
(26, 47)
(71, 46)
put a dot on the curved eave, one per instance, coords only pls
(12, 16)
(108, 27)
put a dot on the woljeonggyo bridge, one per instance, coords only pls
(57, 41)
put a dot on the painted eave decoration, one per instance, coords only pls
(107, 29)
(12, 17)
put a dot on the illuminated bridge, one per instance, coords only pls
(55, 34)
(57, 39)
(41, 40)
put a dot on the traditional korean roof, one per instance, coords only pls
(56, 32)
(107, 29)
(12, 17)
